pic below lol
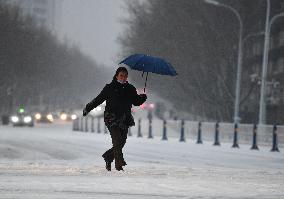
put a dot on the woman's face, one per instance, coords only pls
(122, 77)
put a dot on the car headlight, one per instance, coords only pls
(37, 116)
(49, 117)
(15, 119)
(27, 119)
(63, 116)
(73, 117)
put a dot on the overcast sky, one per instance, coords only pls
(94, 26)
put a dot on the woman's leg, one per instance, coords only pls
(108, 155)
(119, 137)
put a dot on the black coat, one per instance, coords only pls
(119, 99)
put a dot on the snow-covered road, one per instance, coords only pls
(51, 161)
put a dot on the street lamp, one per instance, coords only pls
(252, 35)
(216, 3)
(264, 67)
(239, 67)
(262, 103)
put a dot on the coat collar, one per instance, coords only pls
(116, 83)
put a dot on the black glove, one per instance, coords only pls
(85, 112)
(143, 96)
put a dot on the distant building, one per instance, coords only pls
(45, 12)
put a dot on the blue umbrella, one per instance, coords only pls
(146, 63)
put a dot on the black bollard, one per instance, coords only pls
(164, 130)
(150, 135)
(105, 128)
(99, 125)
(92, 124)
(199, 134)
(77, 124)
(216, 142)
(236, 130)
(86, 124)
(74, 125)
(129, 132)
(81, 125)
(139, 134)
(182, 138)
(254, 138)
(274, 139)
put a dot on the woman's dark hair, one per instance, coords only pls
(120, 69)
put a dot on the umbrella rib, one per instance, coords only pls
(138, 62)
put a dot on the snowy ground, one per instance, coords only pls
(51, 161)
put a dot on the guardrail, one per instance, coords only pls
(216, 132)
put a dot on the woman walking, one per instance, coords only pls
(119, 96)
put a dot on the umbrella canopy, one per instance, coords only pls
(146, 63)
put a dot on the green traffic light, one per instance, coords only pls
(21, 110)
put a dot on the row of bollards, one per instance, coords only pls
(254, 137)
(78, 126)
(164, 137)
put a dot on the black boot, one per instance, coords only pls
(119, 168)
(123, 163)
(119, 164)
(107, 161)
(108, 166)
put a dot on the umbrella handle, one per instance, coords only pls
(145, 81)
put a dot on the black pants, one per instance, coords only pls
(118, 137)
